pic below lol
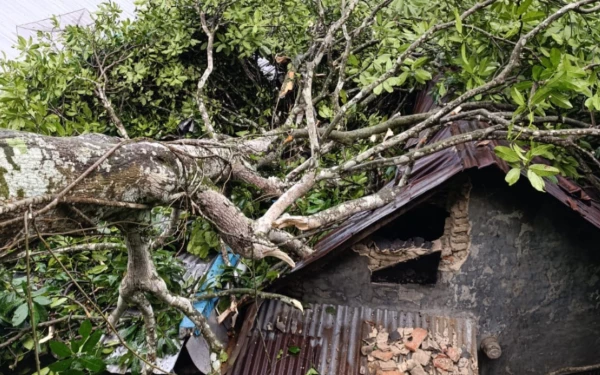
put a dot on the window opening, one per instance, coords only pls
(422, 270)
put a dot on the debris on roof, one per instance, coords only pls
(329, 339)
(415, 351)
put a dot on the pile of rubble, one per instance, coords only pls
(408, 351)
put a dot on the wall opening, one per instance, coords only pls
(422, 270)
(425, 221)
(439, 225)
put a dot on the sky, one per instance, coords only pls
(25, 16)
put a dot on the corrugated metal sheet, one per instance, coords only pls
(330, 337)
(433, 170)
(25, 12)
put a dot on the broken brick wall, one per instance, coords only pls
(532, 277)
(387, 247)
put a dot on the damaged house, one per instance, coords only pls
(462, 274)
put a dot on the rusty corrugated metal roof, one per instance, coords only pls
(329, 337)
(433, 170)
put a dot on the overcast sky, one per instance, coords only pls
(17, 13)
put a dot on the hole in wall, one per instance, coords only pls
(425, 221)
(422, 270)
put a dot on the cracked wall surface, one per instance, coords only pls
(531, 277)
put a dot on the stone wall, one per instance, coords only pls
(531, 277)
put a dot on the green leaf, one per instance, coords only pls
(422, 75)
(596, 102)
(458, 21)
(538, 15)
(76, 345)
(85, 329)
(506, 154)
(20, 314)
(61, 365)
(28, 344)
(513, 176)
(523, 7)
(223, 357)
(378, 89)
(312, 371)
(465, 60)
(325, 112)
(401, 79)
(58, 302)
(536, 181)
(352, 60)
(560, 101)
(272, 275)
(387, 87)
(519, 151)
(420, 62)
(43, 301)
(517, 97)
(97, 269)
(543, 150)
(294, 350)
(92, 363)
(72, 372)
(60, 349)
(91, 342)
(544, 170)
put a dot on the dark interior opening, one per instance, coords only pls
(425, 221)
(422, 270)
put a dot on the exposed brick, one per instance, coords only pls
(399, 349)
(388, 365)
(461, 221)
(382, 336)
(422, 357)
(381, 355)
(389, 372)
(443, 362)
(459, 247)
(453, 354)
(417, 370)
(417, 337)
(460, 228)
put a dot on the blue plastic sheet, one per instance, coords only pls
(206, 307)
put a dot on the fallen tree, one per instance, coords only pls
(340, 114)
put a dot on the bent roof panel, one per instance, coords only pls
(431, 171)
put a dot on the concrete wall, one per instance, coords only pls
(532, 278)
